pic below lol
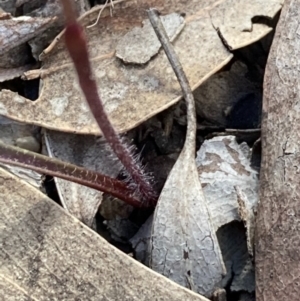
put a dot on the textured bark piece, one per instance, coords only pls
(278, 219)
(131, 94)
(50, 255)
(223, 166)
(16, 31)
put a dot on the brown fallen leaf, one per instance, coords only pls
(120, 83)
(183, 244)
(234, 20)
(46, 254)
(277, 224)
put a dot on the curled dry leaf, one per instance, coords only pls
(133, 93)
(183, 244)
(87, 151)
(49, 255)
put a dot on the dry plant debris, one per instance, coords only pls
(223, 165)
(133, 93)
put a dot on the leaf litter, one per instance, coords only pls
(120, 83)
(106, 21)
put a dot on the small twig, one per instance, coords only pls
(56, 168)
(182, 79)
(100, 12)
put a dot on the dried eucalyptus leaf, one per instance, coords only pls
(183, 244)
(120, 83)
(234, 19)
(50, 255)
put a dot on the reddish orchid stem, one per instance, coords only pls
(56, 168)
(77, 47)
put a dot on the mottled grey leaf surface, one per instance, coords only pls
(224, 167)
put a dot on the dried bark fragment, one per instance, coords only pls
(223, 166)
(278, 218)
(16, 31)
(140, 44)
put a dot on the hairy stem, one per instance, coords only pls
(77, 47)
(56, 168)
